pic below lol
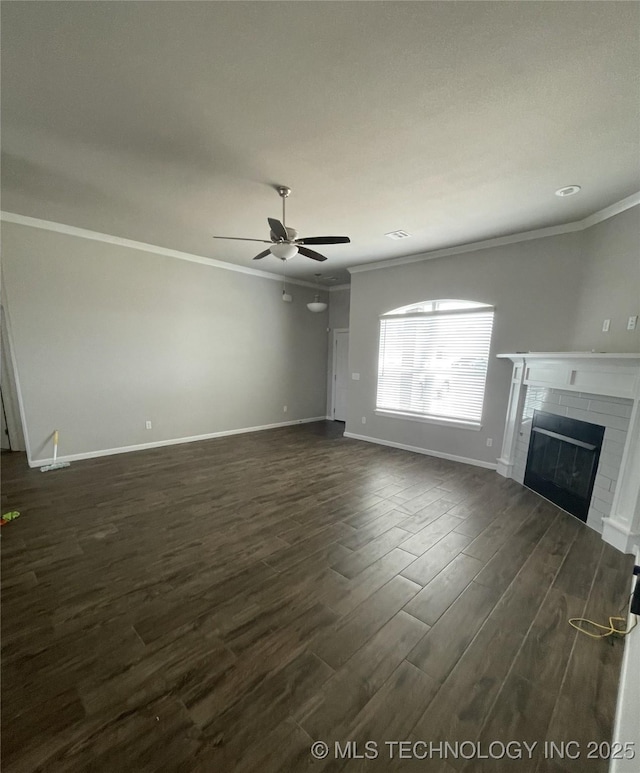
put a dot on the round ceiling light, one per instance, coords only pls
(568, 190)
(283, 250)
(316, 305)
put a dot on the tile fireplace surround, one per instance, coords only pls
(598, 388)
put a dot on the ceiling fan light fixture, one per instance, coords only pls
(283, 240)
(316, 306)
(284, 251)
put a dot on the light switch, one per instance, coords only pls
(606, 325)
(355, 376)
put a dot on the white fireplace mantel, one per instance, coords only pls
(595, 373)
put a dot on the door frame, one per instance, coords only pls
(334, 346)
(11, 395)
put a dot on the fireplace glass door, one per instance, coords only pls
(563, 460)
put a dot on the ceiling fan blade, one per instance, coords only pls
(242, 239)
(263, 254)
(324, 240)
(310, 253)
(278, 229)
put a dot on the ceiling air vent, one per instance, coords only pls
(398, 235)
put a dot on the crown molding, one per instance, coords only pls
(539, 233)
(83, 233)
(611, 211)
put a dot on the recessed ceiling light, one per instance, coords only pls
(568, 190)
(398, 234)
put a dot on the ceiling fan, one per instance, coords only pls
(284, 241)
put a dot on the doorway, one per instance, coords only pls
(340, 374)
(5, 442)
(11, 431)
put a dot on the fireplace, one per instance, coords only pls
(593, 387)
(563, 460)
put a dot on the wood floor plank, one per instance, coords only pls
(508, 560)
(54, 714)
(491, 539)
(418, 503)
(439, 651)
(348, 594)
(363, 536)
(293, 554)
(438, 595)
(240, 729)
(388, 716)
(423, 569)
(576, 575)
(433, 511)
(418, 489)
(548, 643)
(371, 513)
(395, 708)
(359, 560)
(353, 685)
(337, 644)
(431, 534)
(474, 522)
(285, 750)
(523, 715)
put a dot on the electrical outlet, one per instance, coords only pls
(364, 419)
(606, 324)
(147, 425)
(285, 408)
(632, 323)
(489, 442)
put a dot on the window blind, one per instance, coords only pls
(435, 365)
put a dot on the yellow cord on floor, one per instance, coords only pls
(609, 630)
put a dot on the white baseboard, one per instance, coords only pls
(505, 468)
(619, 535)
(425, 451)
(626, 729)
(171, 442)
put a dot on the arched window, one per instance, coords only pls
(433, 361)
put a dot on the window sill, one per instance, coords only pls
(430, 420)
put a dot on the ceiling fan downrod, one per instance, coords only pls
(284, 193)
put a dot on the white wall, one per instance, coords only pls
(339, 301)
(107, 337)
(534, 288)
(610, 287)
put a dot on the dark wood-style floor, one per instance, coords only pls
(218, 606)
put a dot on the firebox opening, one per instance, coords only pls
(563, 461)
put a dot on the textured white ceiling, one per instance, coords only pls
(167, 122)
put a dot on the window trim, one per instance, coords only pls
(445, 421)
(437, 313)
(426, 419)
